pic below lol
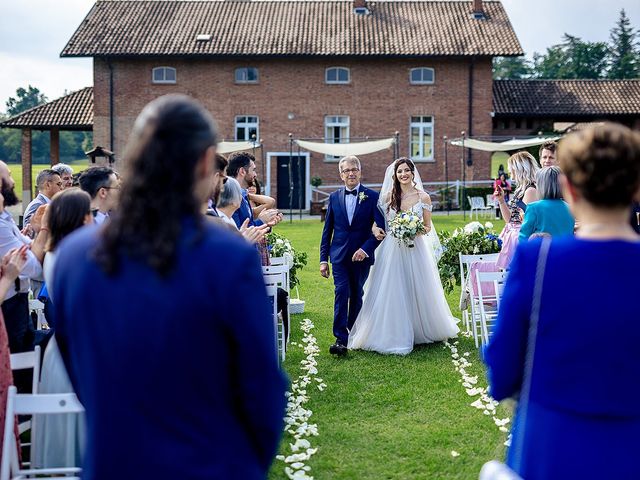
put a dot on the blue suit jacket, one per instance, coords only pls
(245, 211)
(186, 362)
(341, 240)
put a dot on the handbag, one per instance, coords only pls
(495, 470)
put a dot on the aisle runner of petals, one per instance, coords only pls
(297, 416)
(484, 402)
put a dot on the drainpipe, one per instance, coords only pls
(470, 121)
(111, 107)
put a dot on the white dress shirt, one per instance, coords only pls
(350, 202)
(226, 219)
(10, 237)
(100, 217)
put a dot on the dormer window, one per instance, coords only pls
(246, 75)
(422, 76)
(163, 75)
(337, 75)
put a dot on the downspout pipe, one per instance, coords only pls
(111, 108)
(470, 120)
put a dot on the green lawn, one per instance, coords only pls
(387, 417)
(16, 172)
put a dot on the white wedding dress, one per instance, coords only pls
(404, 303)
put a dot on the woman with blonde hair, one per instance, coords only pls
(523, 168)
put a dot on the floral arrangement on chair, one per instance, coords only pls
(473, 239)
(280, 246)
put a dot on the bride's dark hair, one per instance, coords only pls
(396, 191)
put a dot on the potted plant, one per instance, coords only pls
(316, 206)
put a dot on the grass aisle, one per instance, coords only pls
(384, 417)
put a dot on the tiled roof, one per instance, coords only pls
(71, 112)
(304, 27)
(566, 97)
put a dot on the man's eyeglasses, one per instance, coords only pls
(351, 170)
(111, 188)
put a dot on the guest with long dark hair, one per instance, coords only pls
(579, 416)
(169, 347)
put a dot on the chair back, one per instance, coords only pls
(30, 404)
(489, 305)
(27, 360)
(277, 271)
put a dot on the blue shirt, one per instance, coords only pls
(547, 216)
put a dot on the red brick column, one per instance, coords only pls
(54, 135)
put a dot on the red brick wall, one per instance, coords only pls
(379, 100)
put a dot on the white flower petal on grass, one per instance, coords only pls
(454, 453)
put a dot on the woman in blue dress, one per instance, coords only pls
(583, 417)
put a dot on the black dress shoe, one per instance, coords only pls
(338, 349)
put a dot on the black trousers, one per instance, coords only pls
(283, 307)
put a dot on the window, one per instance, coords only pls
(421, 138)
(164, 75)
(247, 75)
(246, 128)
(337, 75)
(422, 76)
(336, 130)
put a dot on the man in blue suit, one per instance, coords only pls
(347, 240)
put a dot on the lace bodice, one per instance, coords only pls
(417, 208)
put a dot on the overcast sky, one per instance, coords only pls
(34, 32)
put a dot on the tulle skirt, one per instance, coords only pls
(509, 237)
(404, 303)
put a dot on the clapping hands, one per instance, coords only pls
(253, 234)
(270, 217)
(13, 262)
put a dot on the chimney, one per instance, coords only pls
(478, 10)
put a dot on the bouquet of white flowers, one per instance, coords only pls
(405, 226)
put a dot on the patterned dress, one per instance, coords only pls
(511, 230)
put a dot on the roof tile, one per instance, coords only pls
(286, 27)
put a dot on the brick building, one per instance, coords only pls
(333, 70)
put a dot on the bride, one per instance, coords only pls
(404, 303)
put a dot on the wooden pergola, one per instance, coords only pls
(71, 112)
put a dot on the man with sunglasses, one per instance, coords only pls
(49, 183)
(103, 185)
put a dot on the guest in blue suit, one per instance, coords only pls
(583, 416)
(348, 242)
(163, 320)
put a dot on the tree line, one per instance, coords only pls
(72, 144)
(575, 58)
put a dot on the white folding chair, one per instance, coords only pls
(27, 361)
(275, 261)
(470, 315)
(282, 270)
(489, 303)
(38, 307)
(278, 327)
(25, 404)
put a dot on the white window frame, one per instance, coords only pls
(164, 71)
(246, 74)
(331, 123)
(337, 82)
(247, 126)
(422, 82)
(421, 125)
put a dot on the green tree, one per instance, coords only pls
(511, 68)
(624, 57)
(25, 99)
(573, 58)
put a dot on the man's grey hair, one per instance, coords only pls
(231, 194)
(351, 159)
(62, 169)
(44, 176)
(548, 183)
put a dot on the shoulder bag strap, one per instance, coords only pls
(531, 347)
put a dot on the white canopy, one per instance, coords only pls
(230, 147)
(513, 144)
(344, 149)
